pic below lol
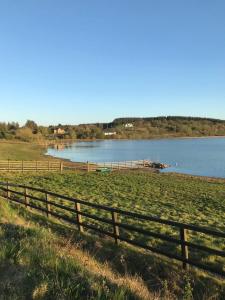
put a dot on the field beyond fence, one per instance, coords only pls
(114, 223)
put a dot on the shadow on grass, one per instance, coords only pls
(29, 269)
(156, 271)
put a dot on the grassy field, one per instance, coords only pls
(21, 151)
(42, 259)
(186, 199)
(176, 197)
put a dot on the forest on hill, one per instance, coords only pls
(120, 128)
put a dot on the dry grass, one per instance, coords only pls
(105, 271)
(107, 283)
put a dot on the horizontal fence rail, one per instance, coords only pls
(120, 165)
(57, 165)
(112, 166)
(30, 165)
(69, 210)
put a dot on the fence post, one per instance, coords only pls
(79, 217)
(184, 248)
(8, 165)
(26, 200)
(88, 167)
(115, 227)
(8, 192)
(61, 167)
(48, 207)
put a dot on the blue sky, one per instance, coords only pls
(75, 61)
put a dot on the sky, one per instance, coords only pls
(83, 61)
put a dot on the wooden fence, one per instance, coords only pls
(121, 165)
(69, 209)
(30, 165)
(57, 165)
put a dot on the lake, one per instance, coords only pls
(196, 156)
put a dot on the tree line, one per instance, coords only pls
(139, 128)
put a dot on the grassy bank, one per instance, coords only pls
(21, 151)
(40, 259)
(186, 199)
(38, 263)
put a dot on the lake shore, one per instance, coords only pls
(55, 142)
(17, 150)
(195, 156)
(61, 141)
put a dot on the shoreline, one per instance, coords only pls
(46, 143)
(157, 171)
(141, 139)
(44, 155)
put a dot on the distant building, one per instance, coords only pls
(59, 131)
(109, 133)
(128, 125)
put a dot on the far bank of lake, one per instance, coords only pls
(196, 156)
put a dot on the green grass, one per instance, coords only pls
(21, 151)
(36, 263)
(177, 197)
(186, 199)
(40, 259)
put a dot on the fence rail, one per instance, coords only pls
(57, 165)
(26, 165)
(120, 165)
(46, 202)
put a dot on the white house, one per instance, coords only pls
(59, 131)
(128, 125)
(109, 133)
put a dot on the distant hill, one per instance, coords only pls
(120, 128)
(165, 118)
(166, 126)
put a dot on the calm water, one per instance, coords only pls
(201, 156)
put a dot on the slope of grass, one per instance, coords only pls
(186, 199)
(21, 151)
(40, 259)
(35, 263)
